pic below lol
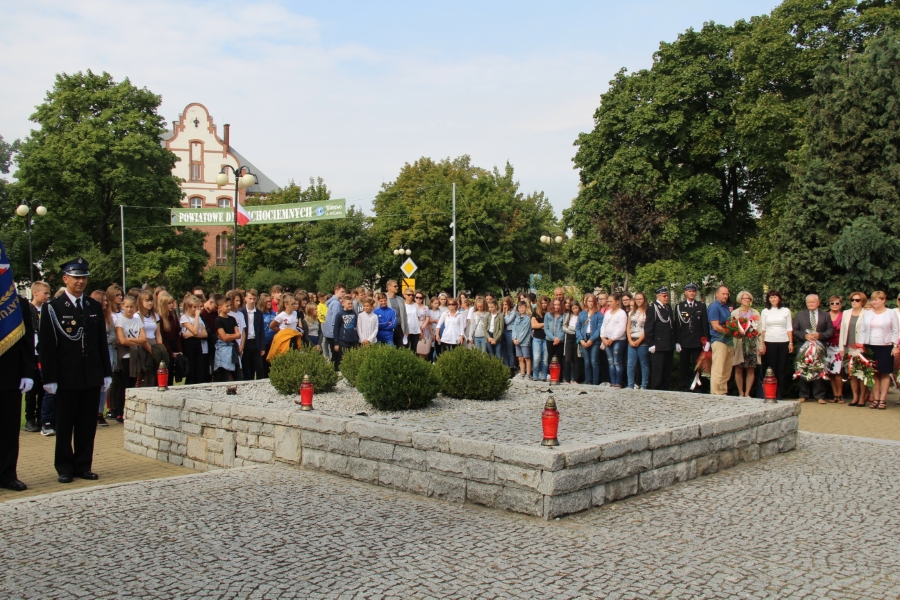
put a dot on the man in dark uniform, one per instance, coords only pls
(16, 370)
(692, 328)
(74, 366)
(660, 332)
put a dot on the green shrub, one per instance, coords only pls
(471, 373)
(288, 370)
(352, 361)
(396, 379)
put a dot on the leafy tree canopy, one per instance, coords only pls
(498, 227)
(708, 134)
(310, 247)
(97, 147)
(839, 231)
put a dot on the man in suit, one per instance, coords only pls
(692, 327)
(812, 325)
(16, 370)
(660, 333)
(74, 366)
(255, 346)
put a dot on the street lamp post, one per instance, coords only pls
(549, 240)
(401, 251)
(241, 180)
(24, 210)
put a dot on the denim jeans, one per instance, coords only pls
(509, 350)
(591, 357)
(495, 349)
(48, 410)
(480, 343)
(539, 364)
(615, 355)
(642, 354)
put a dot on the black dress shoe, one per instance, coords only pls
(87, 475)
(65, 479)
(14, 485)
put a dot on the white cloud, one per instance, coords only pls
(300, 106)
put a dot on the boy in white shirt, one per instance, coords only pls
(367, 324)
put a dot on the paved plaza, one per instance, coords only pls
(819, 522)
(111, 461)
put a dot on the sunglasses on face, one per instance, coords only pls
(420, 297)
(855, 299)
(835, 303)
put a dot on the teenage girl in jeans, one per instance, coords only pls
(612, 332)
(539, 340)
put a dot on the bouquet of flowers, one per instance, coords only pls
(703, 367)
(740, 328)
(861, 366)
(811, 361)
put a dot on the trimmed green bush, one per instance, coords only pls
(471, 373)
(288, 370)
(396, 379)
(352, 361)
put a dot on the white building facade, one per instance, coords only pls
(202, 153)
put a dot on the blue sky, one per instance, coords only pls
(350, 91)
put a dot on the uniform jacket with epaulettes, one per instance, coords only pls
(73, 363)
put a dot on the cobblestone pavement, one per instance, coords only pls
(820, 522)
(587, 412)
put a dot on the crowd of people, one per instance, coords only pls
(619, 339)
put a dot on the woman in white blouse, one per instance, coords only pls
(849, 341)
(454, 324)
(612, 333)
(776, 336)
(880, 334)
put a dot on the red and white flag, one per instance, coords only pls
(243, 217)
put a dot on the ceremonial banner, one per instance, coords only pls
(266, 214)
(12, 325)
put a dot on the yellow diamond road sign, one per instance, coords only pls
(408, 267)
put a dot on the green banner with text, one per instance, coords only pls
(263, 214)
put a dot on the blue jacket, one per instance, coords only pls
(387, 322)
(334, 307)
(581, 329)
(553, 327)
(521, 330)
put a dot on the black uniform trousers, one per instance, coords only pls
(660, 369)
(689, 357)
(252, 360)
(10, 420)
(76, 416)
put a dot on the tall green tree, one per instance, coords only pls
(97, 147)
(709, 132)
(307, 247)
(7, 152)
(839, 231)
(668, 135)
(498, 227)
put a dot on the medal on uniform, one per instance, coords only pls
(73, 321)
